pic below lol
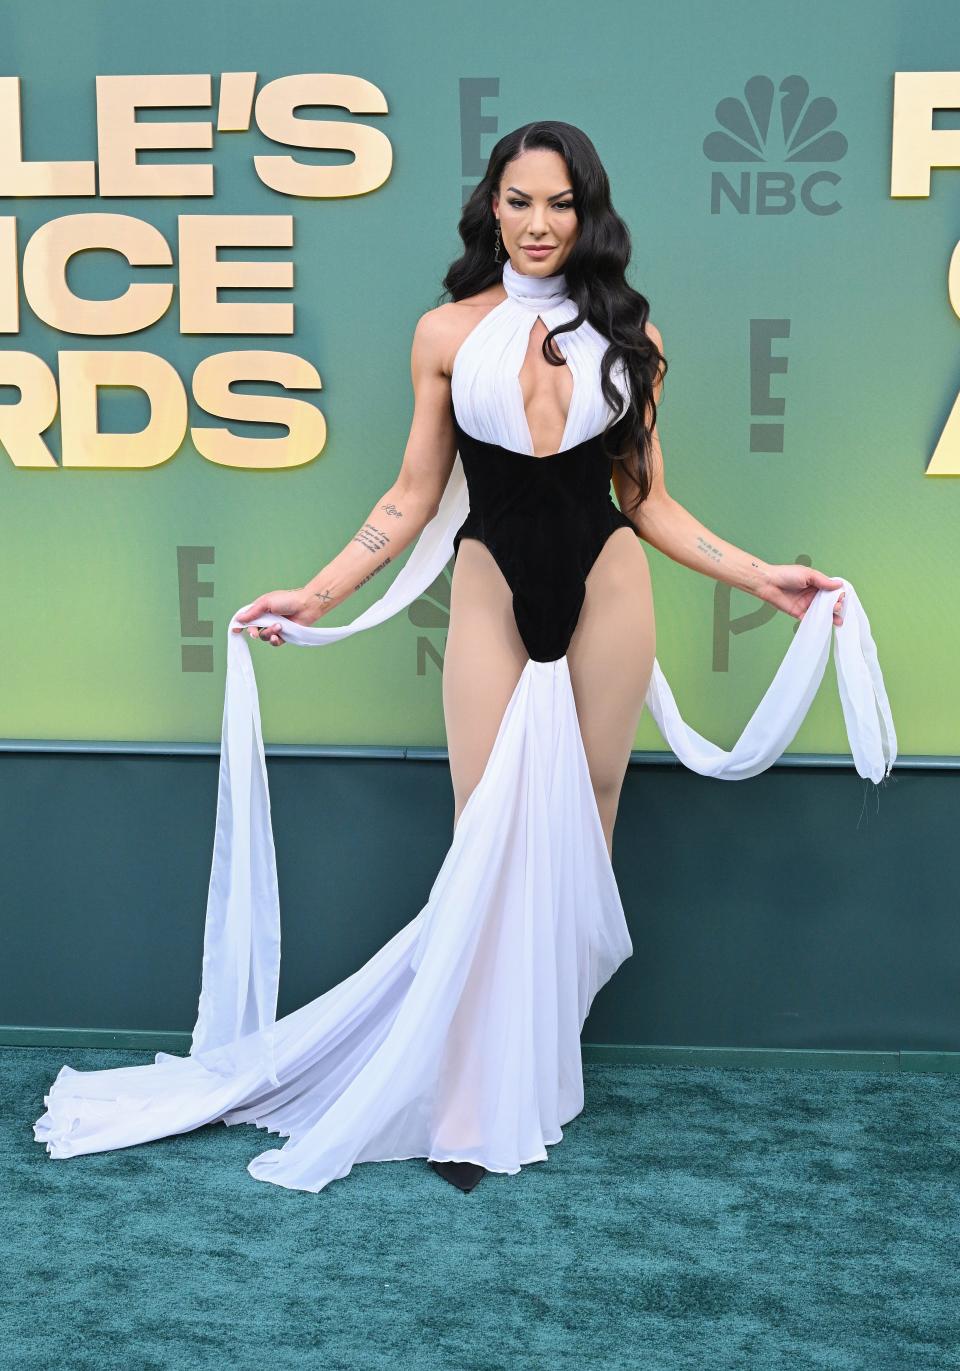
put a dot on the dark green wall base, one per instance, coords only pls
(801, 915)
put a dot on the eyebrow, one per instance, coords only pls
(559, 195)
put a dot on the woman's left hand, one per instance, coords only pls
(792, 588)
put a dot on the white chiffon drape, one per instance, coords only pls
(460, 1037)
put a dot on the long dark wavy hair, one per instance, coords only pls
(596, 282)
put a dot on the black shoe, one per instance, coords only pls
(464, 1175)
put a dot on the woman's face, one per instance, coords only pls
(535, 206)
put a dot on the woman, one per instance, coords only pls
(460, 1040)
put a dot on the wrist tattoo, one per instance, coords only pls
(392, 509)
(372, 573)
(324, 596)
(712, 552)
(371, 537)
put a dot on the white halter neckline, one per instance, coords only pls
(539, 292)
(485, 377)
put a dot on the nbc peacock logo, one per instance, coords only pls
(786, 134)
(430, 615)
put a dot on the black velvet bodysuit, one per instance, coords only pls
(545, 521)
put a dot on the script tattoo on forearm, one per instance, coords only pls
(372, 573)
(392, 509)
(371, 537)
(712, 552)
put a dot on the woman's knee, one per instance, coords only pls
(607, 782)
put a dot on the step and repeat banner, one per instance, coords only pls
(220, 223)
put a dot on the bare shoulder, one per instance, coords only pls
(434, 327)
(652, 331)
(440, 331)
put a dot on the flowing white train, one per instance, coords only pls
(460, 1037)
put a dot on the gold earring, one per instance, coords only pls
(496, 243)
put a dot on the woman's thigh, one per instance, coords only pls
(482, 662)
(611, 661)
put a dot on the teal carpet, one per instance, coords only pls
(691, 1217)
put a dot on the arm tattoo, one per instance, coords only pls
(392, 509)
(713, 552)
(372, 573)
(371, 537)
(324, 596)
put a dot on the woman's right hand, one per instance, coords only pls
(297, 605)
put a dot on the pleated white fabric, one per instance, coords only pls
(460, 1037)
(485, 380)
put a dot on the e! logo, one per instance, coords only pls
(194, 656)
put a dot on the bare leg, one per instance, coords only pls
(482, 662)
(611, 660)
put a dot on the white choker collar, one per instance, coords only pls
(537, 291)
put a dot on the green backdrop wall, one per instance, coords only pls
(790, 249)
